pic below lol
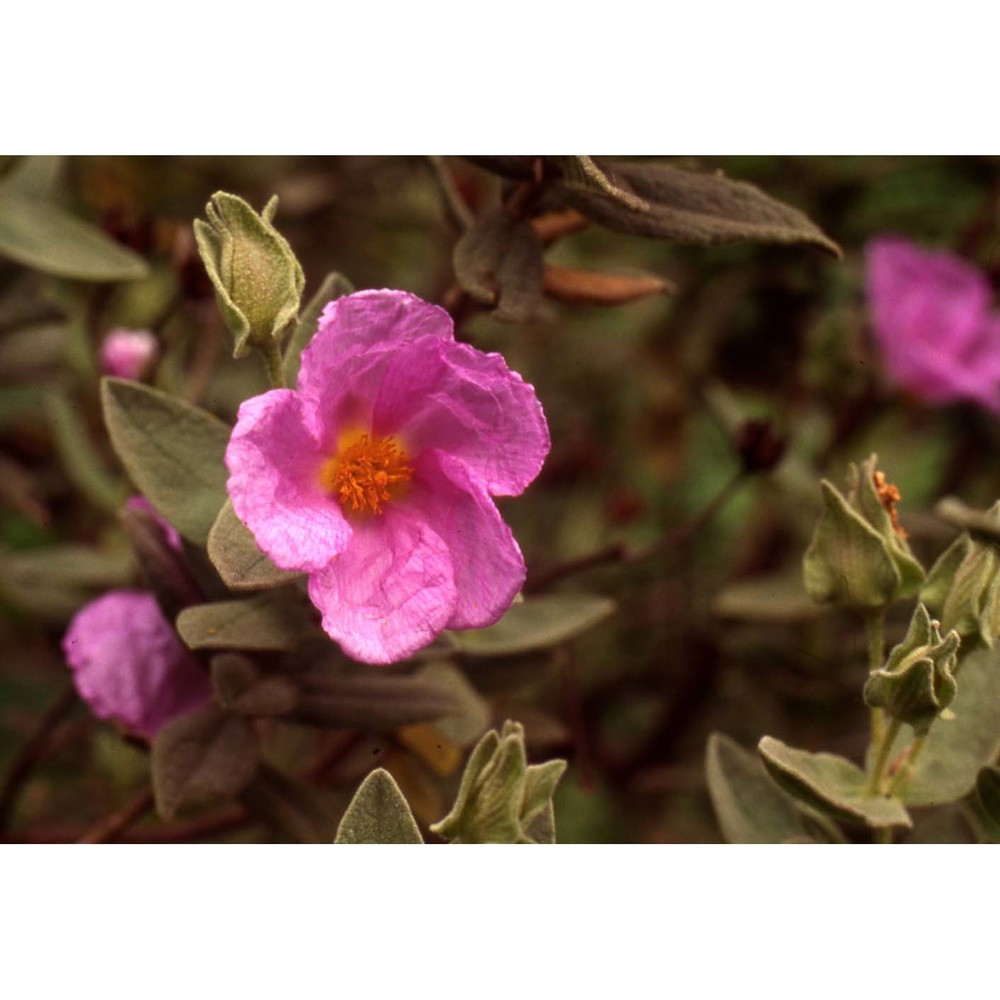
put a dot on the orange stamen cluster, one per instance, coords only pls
(366, 471)
(889, 495)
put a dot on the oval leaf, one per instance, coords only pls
(831, 784)
(208, 752)
(499, 262)
(750, 807)
(957, 748)
(536, 623)
(378, 814)
(688, 206)
(234, 553)
(371, 700)
(241, 686)
(41, 235)
(267, 622)
(172, 450)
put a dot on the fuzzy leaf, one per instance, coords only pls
(266, 622)
(536, 623)
(777, 598)
(36, 232)
(498, 261)
(334, 286)
(831, 784)
(208, 752)
(472, 715)
(750, 807)
(241, 686)
(687, 206)
(378, 814)
(848, 561)
(957, 748)
(986, 803)
(368, 699)
(234, 553)
(295, 809)
(172, 450)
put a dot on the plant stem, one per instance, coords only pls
(110, 827)
(874, 628)
(274, 365)
(906, 767)
(453, 200)
(621, 554)
(882, 758)
(33, 752)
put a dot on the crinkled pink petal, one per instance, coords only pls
(274, 465)
(456, 399)
(391, 592)
(128, 664)
(486, 562)
(928, 312)
(376, 320)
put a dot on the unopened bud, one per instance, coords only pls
(503, 799)
(918, 680)
(858, 557)
(258, 280)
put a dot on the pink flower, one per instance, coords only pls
(375, 475)
(930, 312)
(127, 353)
(140, 503)
(128, 664)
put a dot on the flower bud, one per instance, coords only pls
(858, 557)
(128, 353)
(963, 588)
(917, 682)
(503, 799)
(258, 280)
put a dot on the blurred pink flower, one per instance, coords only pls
(127, 353)
(375, 475)
(139, 502)
(930, 312)
(128, 664)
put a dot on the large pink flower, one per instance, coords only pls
(128, 664)
(931, 315)
(375, 475)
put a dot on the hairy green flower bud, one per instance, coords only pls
(503, 799)
(963, 587)
(858, 557)
(258, 280)
(918, 681)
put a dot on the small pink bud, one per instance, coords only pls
(128, 353)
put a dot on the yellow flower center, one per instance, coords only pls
(366, 472)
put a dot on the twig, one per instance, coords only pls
(621, 554)
(33, 752)
(458, 211)
(110, 827)
(574, 716)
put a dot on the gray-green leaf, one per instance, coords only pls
(378, 814)
(173, 451)
(234, 553)
(274, 622)
(35, 232)
(750, 807)
(536, 623)
(208, 752)
(831, 784)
